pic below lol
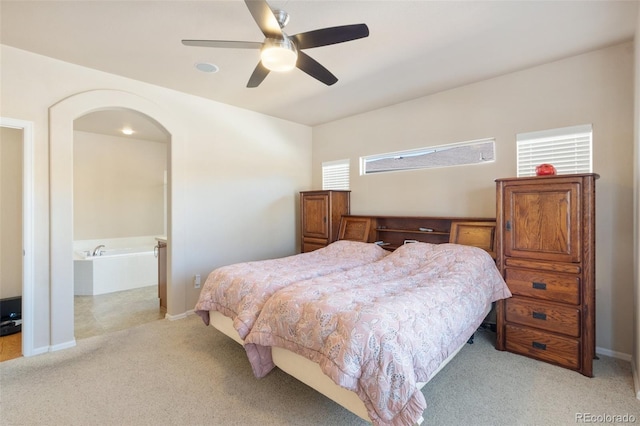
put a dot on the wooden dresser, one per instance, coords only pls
(320, 214)
(546, 253)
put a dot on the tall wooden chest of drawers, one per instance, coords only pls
(546, 253)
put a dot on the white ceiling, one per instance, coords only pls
(415, 48)
(114, 121)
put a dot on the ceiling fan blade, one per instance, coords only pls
(265, 18)
(224, 43)
(312, 67)
(332, 35)
(258, 75)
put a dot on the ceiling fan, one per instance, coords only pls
(281, 52)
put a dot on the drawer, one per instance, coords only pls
(543, 265)
(547, 347)
(311, 244)
(546, 316)
(563, 288)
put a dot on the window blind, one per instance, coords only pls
(568, 149)
(335, 175)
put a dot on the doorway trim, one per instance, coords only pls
(27, 231)
(61, 118)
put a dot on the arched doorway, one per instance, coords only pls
(61, 118)
(119, 205)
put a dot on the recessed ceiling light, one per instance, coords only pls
(127, 131)
(207, 67)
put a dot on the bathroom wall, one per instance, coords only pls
(10, 212)
(118, 186)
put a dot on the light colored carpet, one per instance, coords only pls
(183, 373)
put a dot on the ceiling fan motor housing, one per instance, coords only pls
(281, 16)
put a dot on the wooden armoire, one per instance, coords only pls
(320, 214)
(546, 252)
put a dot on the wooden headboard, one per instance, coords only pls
(477, 234)
(393, 231)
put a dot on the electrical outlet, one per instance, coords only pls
(196, 281)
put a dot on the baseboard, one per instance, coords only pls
(38, 351)
(179, 316)
(61, 346)
(636, 379)
(613, 354)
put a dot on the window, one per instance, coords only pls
(335, 174)
(568, 149)
(470, 152)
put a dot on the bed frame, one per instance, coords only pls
(309, 373)
(478, 232)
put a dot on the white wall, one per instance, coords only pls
(594, 88)
(118, 186)
(234, 185)
(10, 212)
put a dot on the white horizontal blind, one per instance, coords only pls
(568, 149)
(335, 174)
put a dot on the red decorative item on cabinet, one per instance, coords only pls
(545, 170)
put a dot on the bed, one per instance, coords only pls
(240, 290)
(380, 329)
(269, 345)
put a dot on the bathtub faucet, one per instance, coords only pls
(96, 251)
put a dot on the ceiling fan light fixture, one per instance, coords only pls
(279, 55)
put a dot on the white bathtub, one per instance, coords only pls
(87, 254)
(117, 269)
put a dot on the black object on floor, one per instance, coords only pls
(10, 315)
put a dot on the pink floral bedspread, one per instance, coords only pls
(381, 328)
(239, 291)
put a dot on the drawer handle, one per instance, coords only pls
(539, 286)
(540, 316)
(539, 345)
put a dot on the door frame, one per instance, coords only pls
(27, 230)
(61, 117)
